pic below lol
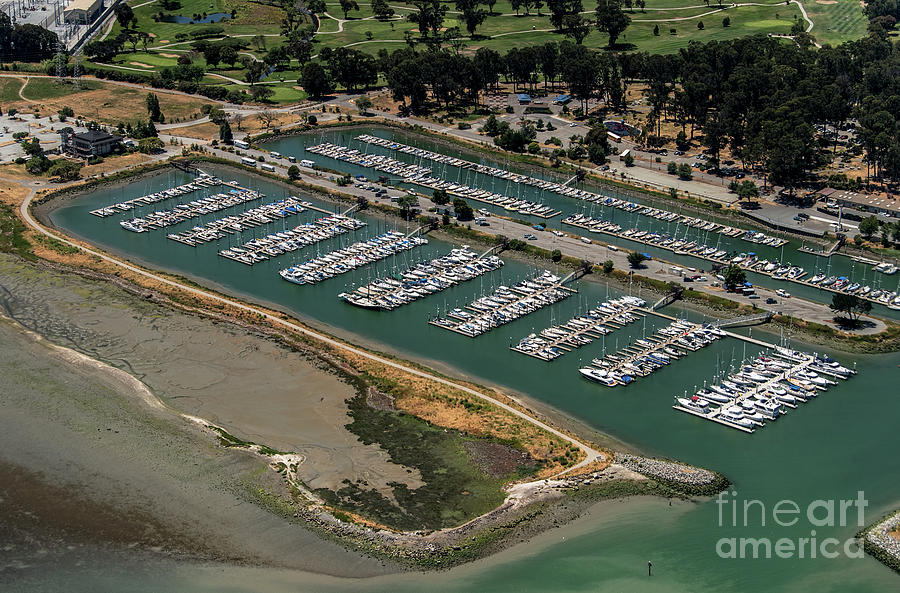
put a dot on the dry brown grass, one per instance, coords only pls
(439, 404)
(204, 131)
(111, 103)
(114, 163)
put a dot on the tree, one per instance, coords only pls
(347, 6)
(267, 117)
(734, 276)
(629, 160)
(726, 22)
(556, 255)
(382, 9)
(608, 266)
(153, 109)
(576, 27)
(228, 55)
(611, 19)
(65, 170)
(635, 259)
(261, 92)
(314, 80)
(463, 211)
(406, 203)
(225, 133)
(851, 305)
(440, 197)
(656, 30)
(472, 14)
(150, 145)
(364, 103)
(868, 227)
(429, 16)
(293, 172)
(700, 25)
(125, 15)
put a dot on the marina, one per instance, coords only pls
(422, 280)
(417, 175)
(190, 210)
(565, 190)
(290, 240)
(764, 388)
(236, 223)
(198, 183)
(649, 354)
(349, 258)
(555, 341)
(504, 305)
(747, 261)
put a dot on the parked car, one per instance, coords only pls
(530, 237)
(771, 301)
(753, 297)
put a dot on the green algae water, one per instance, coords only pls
(842, 442)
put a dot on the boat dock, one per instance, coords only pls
(416, 175)
(349, 258)
(760, 390)
(750, 262)
(290, 240)
(187, 211)
(201, 182)
(649, 354)
(564, 190)
(504, 305)
(422, 280)
(555, 341)
(237, 223)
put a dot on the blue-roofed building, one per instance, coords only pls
(523, 98)
(562, 99)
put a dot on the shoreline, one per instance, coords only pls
(513, 510)
(530, 508)
(880, 544)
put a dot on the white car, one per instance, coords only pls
(572, 125)
(783, 293)
(559, 233)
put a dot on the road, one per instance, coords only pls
(596, 252)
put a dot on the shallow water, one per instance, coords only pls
(842, 442)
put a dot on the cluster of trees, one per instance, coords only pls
(27, 43)
(37, 163)
(871, 226)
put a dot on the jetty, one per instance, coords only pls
(555, 341)
(421, 280)
(504, 305)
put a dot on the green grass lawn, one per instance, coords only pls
(836, 23)
(510, 31)
(41, 89)
(9, 90)
(252, 18)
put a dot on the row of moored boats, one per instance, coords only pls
(422, 279)
(187, 211)
(764, 388)
(504, 305)
(290, 240)
(202, 181)
(349, 258)
(552, 342)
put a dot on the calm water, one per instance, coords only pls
(837, 265)
(840, 443)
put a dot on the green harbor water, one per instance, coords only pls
(842, 442)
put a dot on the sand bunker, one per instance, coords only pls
(141, 64)
(169, 55)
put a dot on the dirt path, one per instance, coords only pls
(591, 454)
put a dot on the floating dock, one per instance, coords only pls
(504, 305)
(555, 341)
(201, 182)
(422, 280)
(290, 240)
(357, 255)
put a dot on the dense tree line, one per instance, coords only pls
(27, 43)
